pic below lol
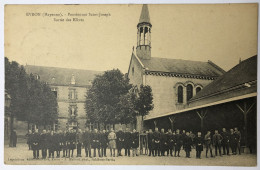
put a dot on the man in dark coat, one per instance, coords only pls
(120, 141)
(225, 141)
(187, 143)
(44, 144)
(96, 142)
(36, 144)
(87, 138)
(156, 137)
(103, 143)
(177, 142)
(163, 142)
(170, 142)
(150, 142)
(217, 139)
(127, 143)
(199, 145)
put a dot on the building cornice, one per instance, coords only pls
(181, 75)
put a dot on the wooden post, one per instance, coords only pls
(202, 114)
(245, 111)
(155, 123)
(172, 119)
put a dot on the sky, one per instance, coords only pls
(222, 33)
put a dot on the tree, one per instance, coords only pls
(144, 102)
(32, 100)
(127, 108)
(104, 97)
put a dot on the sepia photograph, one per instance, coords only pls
(130, 84)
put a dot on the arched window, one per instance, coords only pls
(189, 92)
(180, 94)
(198, 89)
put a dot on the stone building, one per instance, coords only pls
(173, 81)
(70, 87)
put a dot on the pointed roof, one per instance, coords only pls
(144, 17)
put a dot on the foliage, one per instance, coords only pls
(31, 100)
(144, 101)
(111, 99)
(104, 97)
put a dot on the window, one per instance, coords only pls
(72, 94)
(189, 92)
(180, 94)
(73, 125)
(73, 110)
(133, 70)
(198, 89)
(55, 93)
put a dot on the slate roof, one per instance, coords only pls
(242, 73)
(182, 66)
(62, 75)
(144, 17)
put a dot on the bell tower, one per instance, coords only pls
(143, 48)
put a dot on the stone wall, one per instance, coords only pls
(165, 92)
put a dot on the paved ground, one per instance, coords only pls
(21, 155)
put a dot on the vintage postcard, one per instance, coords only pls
(147, 84)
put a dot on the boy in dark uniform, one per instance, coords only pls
(150, 142)
(233, 141)
(187, 143)
(29, 139)
(163, 142)
(60, 143)
(217, 138)
(36, 144)
(177, 142)
(79, 140)
(237, 132)
(52, 144)
(72, 142)
(96, 142)
(156, 137)
(170, 142)
(127, 143)
(120, 141)
(225, 141)
(65, 143)
(135, 142)
(43, 142)
(87, 138)
(103, 143)
(208, 143)
(199, 145)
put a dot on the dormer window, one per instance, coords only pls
(73, 81)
